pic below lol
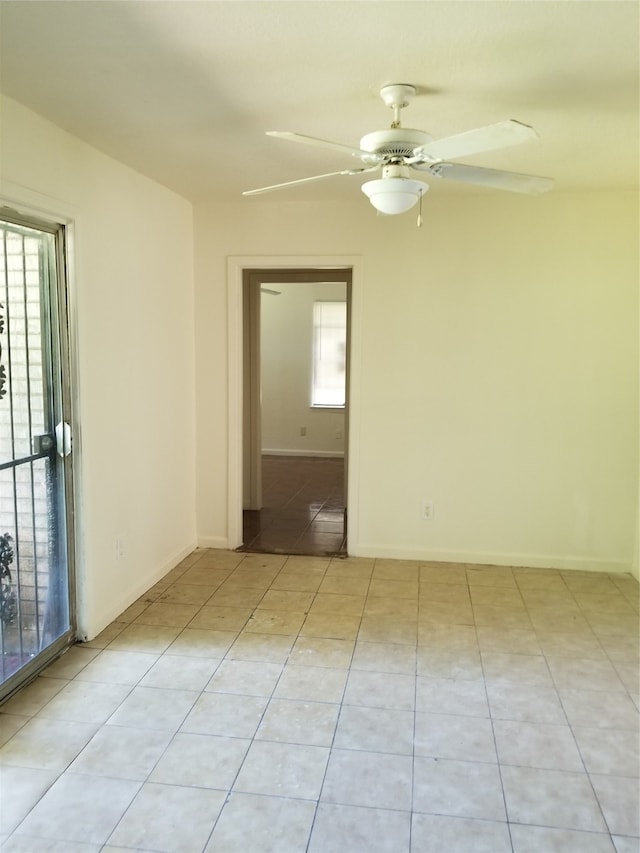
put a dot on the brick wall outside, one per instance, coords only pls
(24, 504)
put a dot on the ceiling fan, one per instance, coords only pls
(398, 150)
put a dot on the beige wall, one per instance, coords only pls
(495, 366)
(132, 303)
(286, 369)
(496, 371)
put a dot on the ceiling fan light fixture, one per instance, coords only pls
(394, 195)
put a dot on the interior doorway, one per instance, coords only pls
(295, 410)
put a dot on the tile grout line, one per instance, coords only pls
(491, 720)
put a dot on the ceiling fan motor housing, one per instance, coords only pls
(393, 145)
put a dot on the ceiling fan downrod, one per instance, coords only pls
(397, 96)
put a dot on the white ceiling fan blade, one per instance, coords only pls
(493, 178)
(306, 180)
(489, 138)
(319, 143)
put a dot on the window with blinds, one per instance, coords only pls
(329, 354)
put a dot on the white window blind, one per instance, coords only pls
(329, 354)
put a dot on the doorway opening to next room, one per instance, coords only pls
(296, 390)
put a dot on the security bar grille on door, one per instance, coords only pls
(34, 593)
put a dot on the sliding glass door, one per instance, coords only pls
(36, 573)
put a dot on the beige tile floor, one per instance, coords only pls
(252, 703)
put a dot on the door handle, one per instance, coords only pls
(43, 443)
(63, 438)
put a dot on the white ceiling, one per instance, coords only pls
(183, 91)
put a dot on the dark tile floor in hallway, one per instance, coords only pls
(303, 508)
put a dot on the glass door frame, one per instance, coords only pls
(55, 327)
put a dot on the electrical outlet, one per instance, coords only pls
(338, 434)
(426, 510)
(303, 430)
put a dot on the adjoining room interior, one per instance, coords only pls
(295, 418)
(468, 675)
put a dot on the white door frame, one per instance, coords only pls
(235, 266)
(252, 413)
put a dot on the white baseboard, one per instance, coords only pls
(534, 561)
(219, 542)
(329, 454)
(133, 594)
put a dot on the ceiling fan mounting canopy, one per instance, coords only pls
(398, 95)
(407, 149)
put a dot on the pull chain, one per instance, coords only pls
(419, 222)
